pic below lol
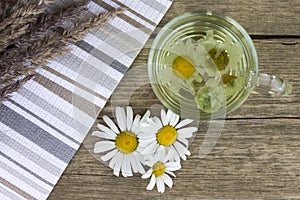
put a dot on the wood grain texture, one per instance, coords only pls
(258, 153)
(264, 17)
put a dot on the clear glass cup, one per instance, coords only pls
(195, 26)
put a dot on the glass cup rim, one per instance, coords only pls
(210, 14)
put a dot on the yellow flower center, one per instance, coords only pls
(126, 142)
(228, 78)
(183, 67)
(166, 135)
(221, 60)
(158, 169)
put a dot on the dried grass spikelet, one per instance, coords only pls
(16, 20)
(42, 38)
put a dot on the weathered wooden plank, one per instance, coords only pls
(265, 17)
(252, 159)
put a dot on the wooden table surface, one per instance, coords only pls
(258, 153)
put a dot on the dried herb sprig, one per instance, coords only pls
(16, 21)
(48, 36)
(41, 34)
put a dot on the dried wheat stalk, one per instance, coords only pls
(43, 37)
(15, 20)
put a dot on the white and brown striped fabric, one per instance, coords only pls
(44, 123)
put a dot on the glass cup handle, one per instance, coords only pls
(272, 85)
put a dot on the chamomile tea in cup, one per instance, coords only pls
(205, 65)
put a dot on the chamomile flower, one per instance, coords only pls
(122, 142)
(167, 135)
(211, 97)
(225, 54)
(233, 84)
(181, 65)
(160, 171)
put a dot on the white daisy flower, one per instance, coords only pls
(181, 65)
(233, 84)
(159, 171)
(211, 97)
(122, 143)
(226, 54)
(167, 135)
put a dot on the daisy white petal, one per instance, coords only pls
(147, 136)
(152, 159)
(182, 151)
(111, 124)
(104, 135)
(189, 43)
(166, 75)
(183, 156)
(172, 154)
(146, 142)
(151, 148)
(119, 161)
(113, 161)
(169, 47)
(161, 152)
(169, 154)
(202, 55)
(183, 123)
(173, 166)
(135, 123)
(150, 130)
(174, 119)
(186, 132)
(198, 77)
(171, 173)
(167, 180)
(181, 45)
(147, 174)
(109, 155)
(189, 85)
(107, 130)
(151, 184)
(129, 117)
(163, 116)
(169, 115)
(121, 118)
(175, 86)
(184, 141)
(157, 124)
(160, 184)
(167, 62)
(126, 170)
(146, 116)
(133, 163)
(103, 146)
(132, 160)
(192, 52)
(140, 167)
(188, 153)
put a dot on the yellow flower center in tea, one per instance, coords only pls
(166, 135)
(183, 67)
(158, 169)
(228, 78)
(126, 142)
(222, 60)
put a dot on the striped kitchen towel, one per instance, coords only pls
(43, 124)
